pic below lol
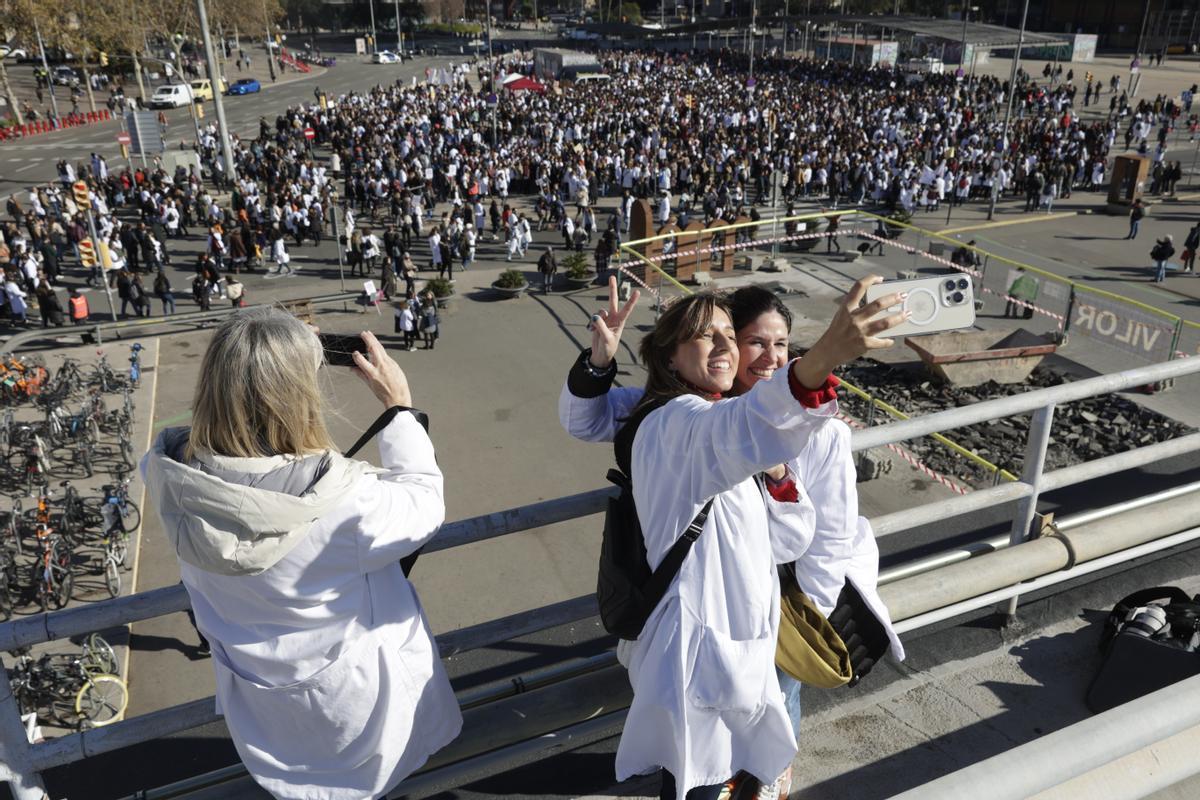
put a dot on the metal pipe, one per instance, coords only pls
(1088, 517)
(46, 67)
(881, 435)
(959, 505)
(1102, 467)
(1012, 90)
(1057, 757)
(214, 75)
(1037, 439)
(525, 752)
(534, 680)
(1006, 568)
(1052, 579)
(929, 563)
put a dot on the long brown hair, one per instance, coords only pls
(684, 320)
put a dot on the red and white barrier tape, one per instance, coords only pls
(913, 461)
(746, 245)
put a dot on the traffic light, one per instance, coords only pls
(103, 59)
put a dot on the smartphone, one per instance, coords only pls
(339, 348)
(944, 303)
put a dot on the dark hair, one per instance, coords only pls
(751, 302)
(684, 320)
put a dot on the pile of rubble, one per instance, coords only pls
(1083, 431)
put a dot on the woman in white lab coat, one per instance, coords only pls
(326, 671)
(706, 703)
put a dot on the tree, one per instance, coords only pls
(631, 13)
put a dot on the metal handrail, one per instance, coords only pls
(24, 761)
(1092, 744)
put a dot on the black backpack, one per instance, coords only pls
(627, 590)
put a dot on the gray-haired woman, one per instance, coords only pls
(326, 671)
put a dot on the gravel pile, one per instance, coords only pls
(1082, 431)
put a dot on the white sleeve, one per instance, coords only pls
(405, 508)
(828, 475)
(696, 449)
(596, 419)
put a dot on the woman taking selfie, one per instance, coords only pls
(326, 671)
(831, 551)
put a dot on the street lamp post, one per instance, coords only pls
(267, 43)
(214, 75)
(374, 41)
(399, 39)
(753, 17)
(46, 67)
(1012, 90)
(495, 93)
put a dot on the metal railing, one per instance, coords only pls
(1093, 745)
(21, 762)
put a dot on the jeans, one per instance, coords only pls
(791, 698)
(1160, 273)
(168, 304)
(547, 282)
(1133, 228)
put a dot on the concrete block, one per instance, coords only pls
(849, 256)
(701, 277)
(907, 275)
(775, 265)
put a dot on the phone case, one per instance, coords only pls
(943, 303)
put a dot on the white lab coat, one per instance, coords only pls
(843, 544)
(706, 700)
(325, 667)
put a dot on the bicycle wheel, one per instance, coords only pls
(100, 655)
(131, 516)
(63, 579)
(112, 575)
(84, 454)
(6, 602)
(101, 701)
(37, 580)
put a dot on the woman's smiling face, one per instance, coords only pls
(710, 361)
(763, 348)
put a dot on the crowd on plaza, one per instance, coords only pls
(423, 186)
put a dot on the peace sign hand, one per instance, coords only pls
(607, 326)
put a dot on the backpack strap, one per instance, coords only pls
(381, 422)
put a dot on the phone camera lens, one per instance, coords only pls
(962, 284)
(949, 286)
(957, 297)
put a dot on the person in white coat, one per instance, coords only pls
(280, 255)
(326, 671)
(706, 702)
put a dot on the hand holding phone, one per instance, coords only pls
(340, 348)
(942, 303)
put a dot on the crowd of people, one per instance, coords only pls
(423, 185)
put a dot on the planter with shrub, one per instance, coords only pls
(442, 290)
(511, 282)
(579, 275)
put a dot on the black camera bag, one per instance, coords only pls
(1136, 665)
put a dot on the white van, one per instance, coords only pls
(175, 95)
(925, 66)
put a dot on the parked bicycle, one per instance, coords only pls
(81, 690)
(53, 573)
(118, 510)
(135, 364)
